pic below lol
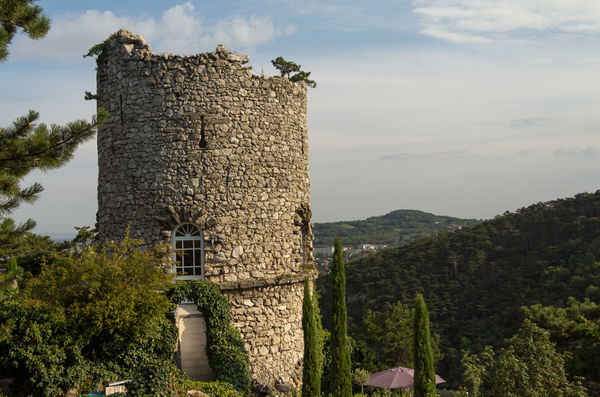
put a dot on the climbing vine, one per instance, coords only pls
(227, 355)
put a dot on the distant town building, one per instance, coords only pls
(323, 250)
(366, 247)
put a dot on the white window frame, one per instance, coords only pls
(196, 237)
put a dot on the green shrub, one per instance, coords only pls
(86, 318)
(214, 389)
(152, 379)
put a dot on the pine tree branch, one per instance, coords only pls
(22, 14)
(52, 152)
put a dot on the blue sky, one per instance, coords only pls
(457, 107)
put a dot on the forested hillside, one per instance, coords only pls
(396, 228)
(477, 280)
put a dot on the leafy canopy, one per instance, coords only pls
(93, 315)
(574, 331)
(385, 339)
(529, 366)
(111, 293)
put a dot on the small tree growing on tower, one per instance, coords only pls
(286, 68)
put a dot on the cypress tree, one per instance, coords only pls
(424, 378)
(340, 377)
(311, 372)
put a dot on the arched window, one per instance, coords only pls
(189, 251)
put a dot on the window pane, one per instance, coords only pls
(187, 243)
(188, 258)
(198, 260)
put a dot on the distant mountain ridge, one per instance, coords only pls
(395, 228)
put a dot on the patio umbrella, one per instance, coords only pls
(396, 378)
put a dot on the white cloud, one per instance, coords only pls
(453, 37)
(458, 18)
(180, 30)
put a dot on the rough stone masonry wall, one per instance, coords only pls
(243, 180)
(270, 318)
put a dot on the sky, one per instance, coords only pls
(466, 108)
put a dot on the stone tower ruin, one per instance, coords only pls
(200, 153)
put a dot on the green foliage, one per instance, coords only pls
(26, 244)
(529, 366)
(153, 379)
(15, 14)
(9, 287)
(86, 236)
(340, 377)
(88, 317)
(385, 340)
(360, 377)
(395, 229)
(32, 250)
(95, 50)
(214, 389)
(11, 266)
(311, 371)
(476, 280)
(424, 379)
(227, 355)
(40, 353)
(105, 294)
(322, 334)
(286, 68)
(26, 146)
(326, 386)
(571, 329)
(8, 280)
(302, 76)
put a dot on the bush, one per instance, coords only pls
(39, 353)
(214, 389)
(155, 379)
(86, 318)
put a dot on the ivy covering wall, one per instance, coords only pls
(227, 355)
